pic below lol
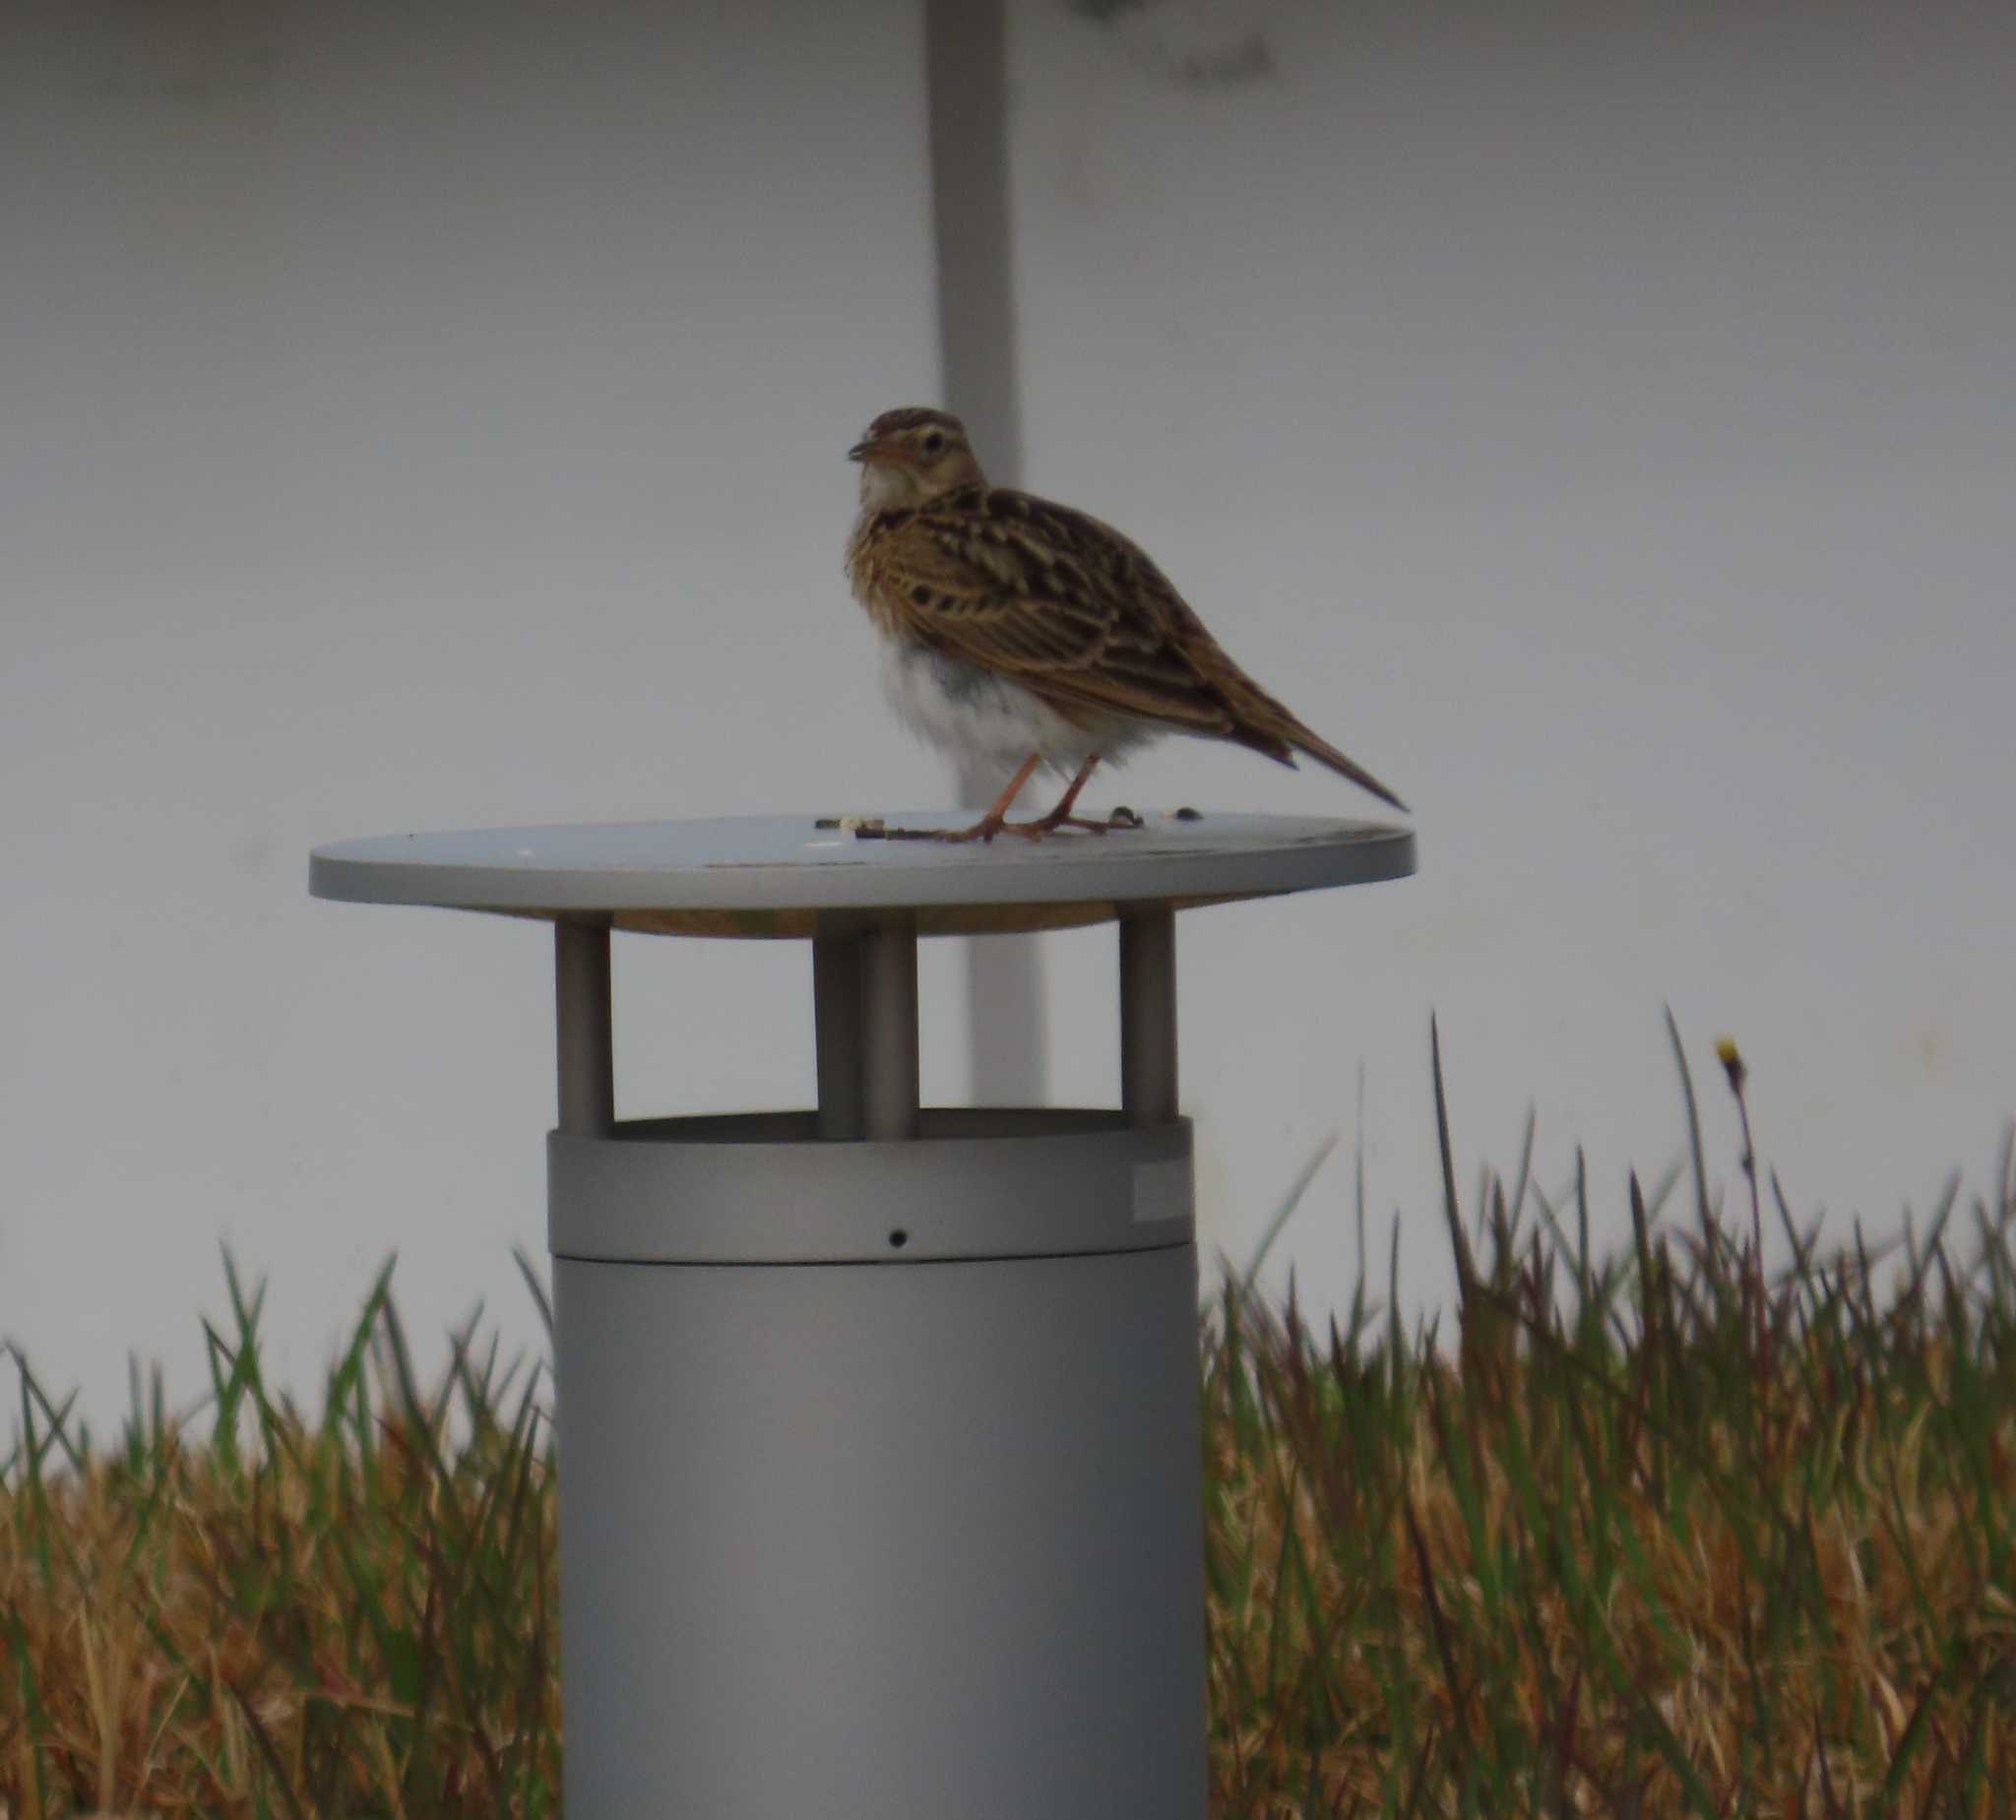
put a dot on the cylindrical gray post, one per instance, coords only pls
(837, 1021)
(880, 1487)
(1148, 1016)
(583, 1035)
(888, 1030)
(879, 1465)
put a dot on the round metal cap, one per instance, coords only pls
(794, 875)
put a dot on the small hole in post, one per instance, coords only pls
(897, 1239)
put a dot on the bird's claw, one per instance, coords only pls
(873, 828)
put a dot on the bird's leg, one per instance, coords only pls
(1061, 816)
(996, 817)
(996, 821)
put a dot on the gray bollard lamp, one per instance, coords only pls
(880, 1493)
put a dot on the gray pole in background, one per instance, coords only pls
(966, 72)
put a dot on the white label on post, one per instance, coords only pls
(1162, 1190)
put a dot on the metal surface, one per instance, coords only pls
(582, 1027)
(889, 1541)
(774, 875)
(1148, 1016)
(757, 1188)
(889, 1031)
(880, 1457)
(966, 80)
(972, 215)
(837, 1030)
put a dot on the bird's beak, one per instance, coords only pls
(873, 451)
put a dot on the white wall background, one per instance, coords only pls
(1605, 428)
(1602, 422)
(414, 417)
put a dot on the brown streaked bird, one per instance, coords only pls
(1022, 633)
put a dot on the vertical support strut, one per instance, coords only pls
(1148, 1016)
(838, 988)
(888, 1030)
(583, 1028)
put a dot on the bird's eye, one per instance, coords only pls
(935, 441)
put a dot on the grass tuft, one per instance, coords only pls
(1665, 1532)
(345, 1614)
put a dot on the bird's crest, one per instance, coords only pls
(914, 418)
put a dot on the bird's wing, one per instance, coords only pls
(1064, 604)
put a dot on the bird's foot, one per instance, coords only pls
(986, 829)
(1120, 818)
(989, 826)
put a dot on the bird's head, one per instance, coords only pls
(913, 455)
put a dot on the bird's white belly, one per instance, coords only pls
(976, 715)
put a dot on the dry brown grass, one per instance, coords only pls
(349, 1615)
(1466, 1624)
(1653, 1536)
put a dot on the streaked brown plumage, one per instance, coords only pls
(1016, 626)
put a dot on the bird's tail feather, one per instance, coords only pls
(1326, 754)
